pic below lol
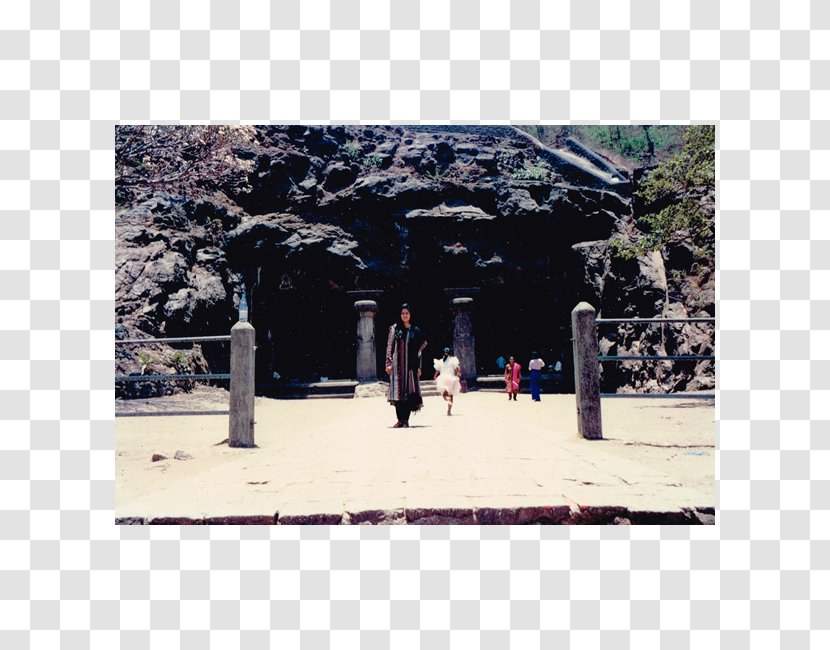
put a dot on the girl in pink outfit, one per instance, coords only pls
(512, 378)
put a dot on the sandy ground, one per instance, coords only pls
(338, 455)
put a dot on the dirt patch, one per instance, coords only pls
(333, 456)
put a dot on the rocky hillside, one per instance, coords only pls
(407, 210)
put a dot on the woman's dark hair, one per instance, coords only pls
(399, 327)
(535, 355)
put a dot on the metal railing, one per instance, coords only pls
(174, 377)
(208, 375)
(656, 320)
(178, 339)
(587, 359)
(136, 414)
(653, 357)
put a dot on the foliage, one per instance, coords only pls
(352, 151)
(372, 162)
(214, 231)
(439, 174)
(519, 168)
(643, 144)
(684, 184)
(678, 192)
(633, 145)
(355, 154)
(145, 359)
(190, 159)
(179, 360)
(529, 173)
(622, 249)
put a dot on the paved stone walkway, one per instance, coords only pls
(493, 461)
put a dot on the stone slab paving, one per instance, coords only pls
(493, 461)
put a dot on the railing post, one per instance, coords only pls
(586, 371)
(241, 432)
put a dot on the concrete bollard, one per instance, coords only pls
(463, 341)
(367, 359)
(243, 339)
(586, 371)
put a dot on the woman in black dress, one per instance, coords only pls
(403, 365)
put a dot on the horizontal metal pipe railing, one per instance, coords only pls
(655, 320)
(662, 395)
(645, 357)
(649, 357)
(133, 414)
(224, 375)
(176, 339)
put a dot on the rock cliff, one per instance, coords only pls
(330, 214)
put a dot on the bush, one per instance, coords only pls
(179, 360)
(685, 184)
(372, 162)
(529, 173)
(145, 360)
(354, 152)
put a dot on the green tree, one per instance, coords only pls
(629, 145)
(680, 193)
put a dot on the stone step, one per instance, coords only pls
(322, 396)
(343, 388)
(551, 383)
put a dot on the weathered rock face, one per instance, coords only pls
(171, 279)
(331, 213)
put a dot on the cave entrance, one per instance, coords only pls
(308, 335)
(522, 318)
(307, 330)
(430, 312)
(304, 336)
(513, 319)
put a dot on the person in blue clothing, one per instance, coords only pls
(535, 366)
(501, 362)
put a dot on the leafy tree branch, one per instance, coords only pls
(679, 197)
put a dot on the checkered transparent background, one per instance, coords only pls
(69, 70)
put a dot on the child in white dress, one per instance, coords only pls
(447, 377)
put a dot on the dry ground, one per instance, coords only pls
(338, 455)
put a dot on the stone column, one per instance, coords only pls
(367, 360)
(586, 371)
(243, 339)
(463, 341)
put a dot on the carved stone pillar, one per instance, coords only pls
(367, 368)
(464, 343)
